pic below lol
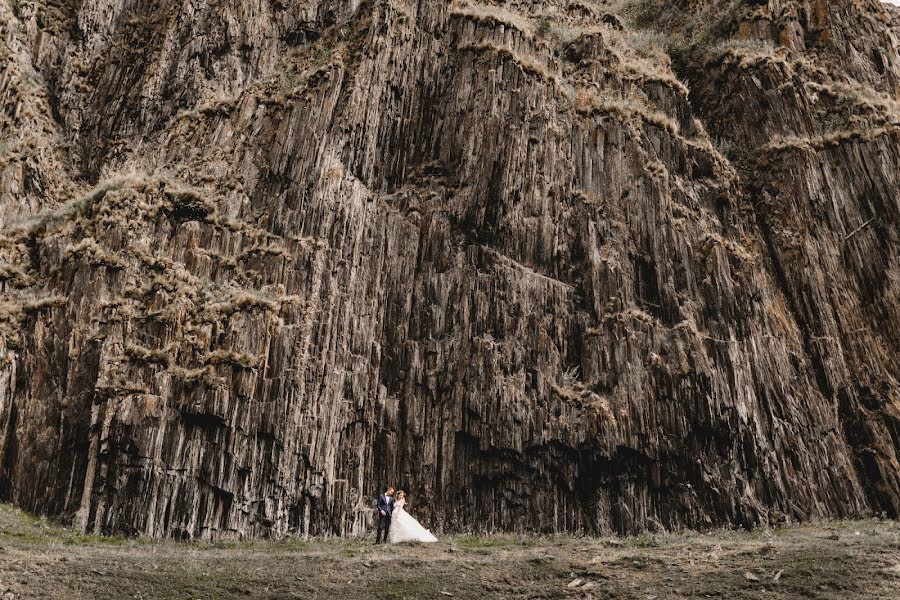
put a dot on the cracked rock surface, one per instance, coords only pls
(581, 266)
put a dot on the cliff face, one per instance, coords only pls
(549, 266)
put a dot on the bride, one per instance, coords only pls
(404, 528)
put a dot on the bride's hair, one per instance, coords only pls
(401, 495)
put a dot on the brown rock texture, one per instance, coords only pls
(566, 265)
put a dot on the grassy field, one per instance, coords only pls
(845, 559)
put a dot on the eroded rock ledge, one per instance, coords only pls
(580, 266)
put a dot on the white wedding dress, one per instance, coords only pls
(404, 528)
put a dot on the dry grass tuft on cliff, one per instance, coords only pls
(526, 63)
(629, 111)
(230, 357)
(144, 355)
(787, 144)
(492, 14)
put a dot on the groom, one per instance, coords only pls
(385, 508)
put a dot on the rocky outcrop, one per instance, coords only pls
(547, 265)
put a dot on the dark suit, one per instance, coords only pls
(385, 505)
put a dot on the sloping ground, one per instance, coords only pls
(260, 257)
(846, 559)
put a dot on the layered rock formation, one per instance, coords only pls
(558, 265)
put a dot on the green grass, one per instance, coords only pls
(642, 541)
(478, 542)
(83, 539)
(24, 536)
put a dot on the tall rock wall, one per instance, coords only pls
(549, 266)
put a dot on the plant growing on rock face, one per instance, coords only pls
(94, 253)
(527, 64)
(237, 359)
(570, 376)
(144, 355)
(496, 14)
(687, 35)
(17, 306)
(628, 110)
(188, 205)
(742, 47)
(547, 29)
(740, 158)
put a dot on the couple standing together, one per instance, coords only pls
(397, 524)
